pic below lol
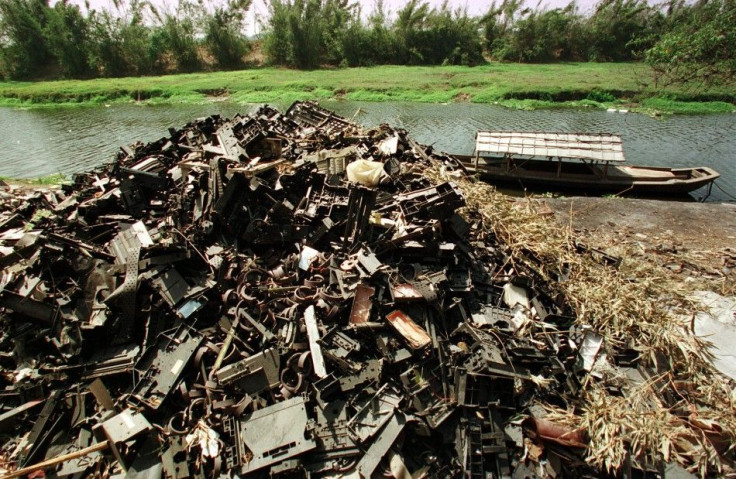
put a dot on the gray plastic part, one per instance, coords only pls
(253, 374)
(374, 414)
(286, 426)
(381, 446)
(162, 368)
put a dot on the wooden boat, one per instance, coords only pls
(590, 162)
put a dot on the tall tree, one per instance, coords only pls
(174, 42)
(452, 37)
(410, 22)
(67, 36)
(295, 33)
(277, 44)
(121, 41)
(23, 49)
(616, 25)
(224, 33)
(545, 36)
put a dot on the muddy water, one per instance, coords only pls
(45, 141)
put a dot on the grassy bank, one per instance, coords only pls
(582, 85)
(51, 180)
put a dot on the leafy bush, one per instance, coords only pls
(601, 96)
(224, 39)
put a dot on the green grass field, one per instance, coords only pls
(581, 85)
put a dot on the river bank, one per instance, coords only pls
(624, 86)
(692, 245)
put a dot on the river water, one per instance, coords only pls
(40, 142)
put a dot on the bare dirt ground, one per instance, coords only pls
(694, 244)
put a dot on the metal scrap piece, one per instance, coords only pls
(331, 431)
(405, 292)
(10, 417)
(253, 374)
(381, 446)
(480, 444)
(160, 369)
(241, 234)
(370, 372)
(368, 262)
(362, 304)
(360, 204)
(436, 202)
(116, 360)
(126, 247)
(374, 414)
(415, 336)
(31, 444)
(171, 286)
(121, 428)
(286, 426)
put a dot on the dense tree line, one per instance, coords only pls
(680, 40)
(135, 38)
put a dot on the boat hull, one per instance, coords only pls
(594, 179)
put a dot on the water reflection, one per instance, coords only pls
(46, 141)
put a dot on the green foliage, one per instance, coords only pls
(682, 41)
(451, 38)
(670, 106)
(66, 34)
(23, 52)
(616, 26)
(512, 84)
(338, 18)
(357, 48)
(176, 36)
(51, 180)
(382, 47)
(436, 36)
(133, 39)
(701, 46)
(410, 23)
(545, 36)
(309, 33)
(618, 30)
(497, 26)
(121, 45)
(277, 44)
(224, 38)
(296, 33)
(367, 44)
(601, 96)
(305, 33)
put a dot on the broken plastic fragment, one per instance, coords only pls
(307, 257)
(513, 295)
(207, 439)
(592, 343)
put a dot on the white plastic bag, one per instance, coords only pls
(365, 172)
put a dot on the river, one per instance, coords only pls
(40, 142)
